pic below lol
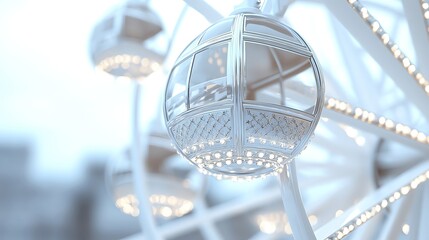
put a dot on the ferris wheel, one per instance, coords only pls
(364, 172)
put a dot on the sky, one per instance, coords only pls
(50, 95)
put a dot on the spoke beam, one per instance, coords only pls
(396, 218)
(375, 202)
(424, 214)
(205, 9)
(419, 35)
(355, 64)
(375, 47)
(276, 7)
(374, 129)
(216, 213)
(369, 231)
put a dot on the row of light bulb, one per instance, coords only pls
(353, 134)
(128, 205)
(277, 222)
(259, 140)
(126, 61)
(259, 162)
(382, 122)
(390, 44)
(169, 206)
(261, 158)
(368, 214)
(425, 10)
(162, 205)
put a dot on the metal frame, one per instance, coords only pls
(397, 188)
(382, 54)
(138, 154)
(356, 27)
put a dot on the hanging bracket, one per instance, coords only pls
(275, 7)
(205, 9)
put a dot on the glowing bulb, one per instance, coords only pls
(406, 229)
(312, 219)
(360, 141)
(267, 227)
(375, 26)
(339, 213)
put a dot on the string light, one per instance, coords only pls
(381, 122)
(354, 134)
(168, 196)
(425, 11)
(339, 212)
(277, 222)
(128, 63)
(165, 206)
(128, 205)
(406, 229)
(390, 44)
(371, 212)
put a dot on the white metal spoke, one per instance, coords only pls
(374, 203)
(414, 215)
(275, 7)
(208, 228)
(331, 146)
(139, 150)
(423, 232)
(293, 205)
(403, 72)
(369, 231)
(380, 126)
(205, 9)
(418, 29)
(262, 236)
(425, 10)
(395, 219)
(355, 66)
(216, 213)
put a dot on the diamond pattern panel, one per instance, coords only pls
(210, 128)
(265, 127)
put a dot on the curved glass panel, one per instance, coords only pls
(279, 77)
(262, 76)
(218, 29)
(269, 28)
(175, 99)
(299, 85)
(208, 82)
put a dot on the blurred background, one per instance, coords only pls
(65, 130)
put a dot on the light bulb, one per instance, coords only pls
(168, 196)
